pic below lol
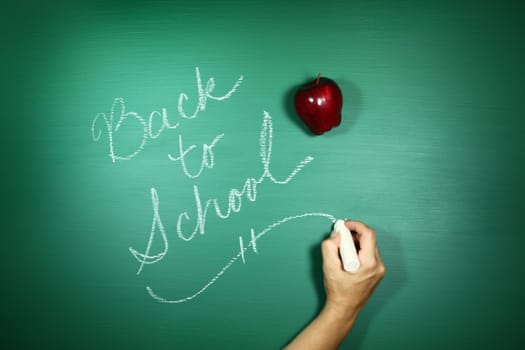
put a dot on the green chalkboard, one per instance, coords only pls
(158, 190)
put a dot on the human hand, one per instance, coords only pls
(348, 292)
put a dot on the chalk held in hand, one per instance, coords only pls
(347, 248)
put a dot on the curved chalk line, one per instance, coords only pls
(236, 257)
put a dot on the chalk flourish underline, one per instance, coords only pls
(243, 249)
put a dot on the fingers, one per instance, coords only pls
(368, 253)
(367, 242)
(381, 264)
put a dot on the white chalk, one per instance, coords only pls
(347, 248)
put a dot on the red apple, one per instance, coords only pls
(318, 103)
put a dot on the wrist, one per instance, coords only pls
(340, 314)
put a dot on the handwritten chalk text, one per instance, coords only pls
(127, 142)
(113, 122)
(235, 199)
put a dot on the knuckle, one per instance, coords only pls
(374, 267)
(370, 264)
(381, 271)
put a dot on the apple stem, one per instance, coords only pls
(318, 78)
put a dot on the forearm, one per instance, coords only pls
(327, 331)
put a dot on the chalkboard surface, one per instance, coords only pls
(159, 192)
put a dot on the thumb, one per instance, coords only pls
(330, 251)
